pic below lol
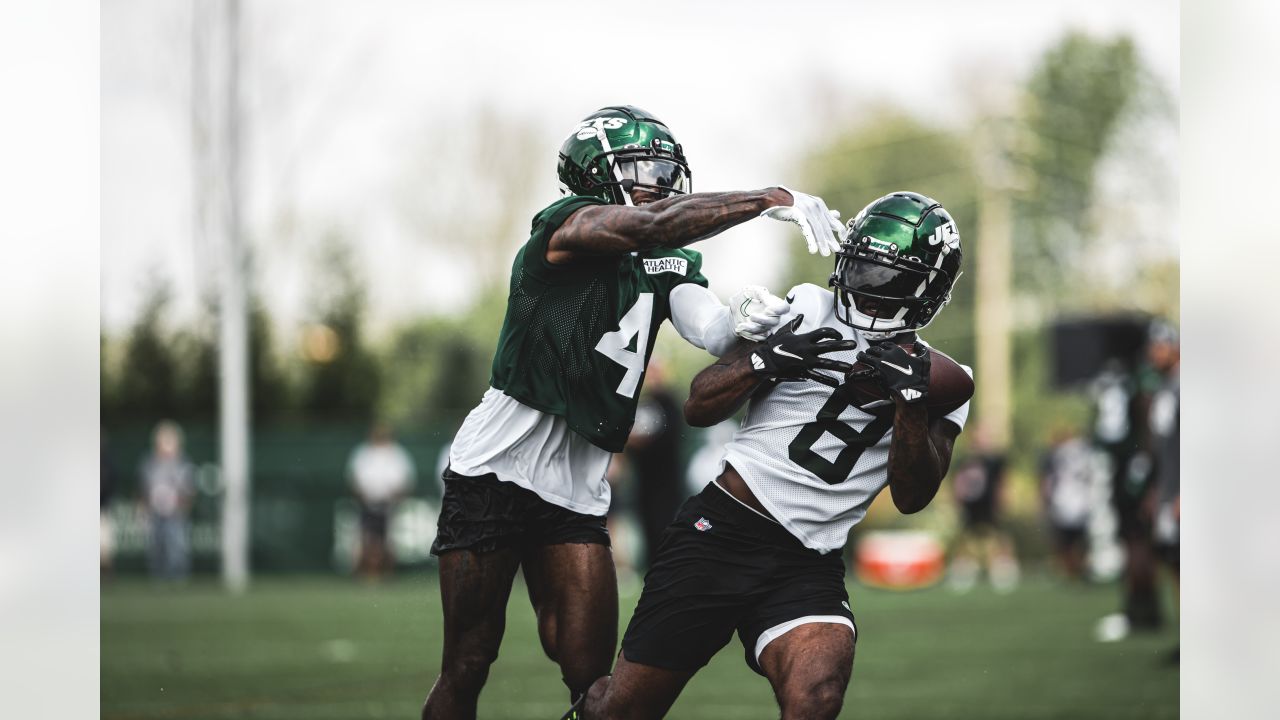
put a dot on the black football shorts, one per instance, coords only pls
(722, 567)
(483, 514)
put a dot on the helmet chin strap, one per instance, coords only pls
(871, 320)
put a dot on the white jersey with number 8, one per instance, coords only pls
(814, 461)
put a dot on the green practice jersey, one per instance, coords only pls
(577, 338)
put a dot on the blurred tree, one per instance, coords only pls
(341, 379)
(148, 384)
(270, 396)
(889, 151)
(197, 349)
(1074, 103)
(473, 183)
(435, 369)
(108, 379)
(198, 345)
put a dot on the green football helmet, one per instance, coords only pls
(897, 264)
(620, 148)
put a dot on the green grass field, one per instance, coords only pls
(327, 648)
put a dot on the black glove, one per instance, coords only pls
(785, 356)
(900, 372)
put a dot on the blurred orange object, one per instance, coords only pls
(899, 559)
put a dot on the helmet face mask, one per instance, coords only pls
(666, 176)
(897, 265)
(616, 150)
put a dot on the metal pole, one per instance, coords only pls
(993, 314)
(233, 348)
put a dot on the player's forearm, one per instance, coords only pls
(686, 219)
(916, 466)
(719, 390)
(671, 223)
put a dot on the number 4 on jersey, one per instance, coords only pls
(635, 324)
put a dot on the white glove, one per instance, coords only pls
(756, 312)
(821, 227)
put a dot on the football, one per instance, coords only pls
(949, 385)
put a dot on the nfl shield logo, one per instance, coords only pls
(703, 524)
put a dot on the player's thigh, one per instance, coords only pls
(574, 591)
(807, 590)
(474, 588)
(478, 540)
(810, 665)
(707, 575)
(636, 691)
(569, 571)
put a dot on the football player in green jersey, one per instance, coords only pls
(604, 266)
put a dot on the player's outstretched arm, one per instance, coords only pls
(678, 221)
(719, 390)
(700, 317)
(672, 223)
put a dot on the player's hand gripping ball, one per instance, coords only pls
(868, 386)
(903, 373)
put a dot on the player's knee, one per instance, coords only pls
(821, 700)
(470, 669)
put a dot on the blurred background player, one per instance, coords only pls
(758, 550)
(654, 454)
(978, 485)
(107, 483)
(1164, 437)
(1066, 478)
(1122, 396)
(603, 268)
(381, 474)
(168, 490)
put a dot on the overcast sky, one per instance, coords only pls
(340, 90)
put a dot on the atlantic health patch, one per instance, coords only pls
(654, 266)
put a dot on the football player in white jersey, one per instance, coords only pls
(758, 550)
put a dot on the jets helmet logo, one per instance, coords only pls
(588, 129)
(946, 236)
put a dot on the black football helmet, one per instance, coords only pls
(896, 267)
